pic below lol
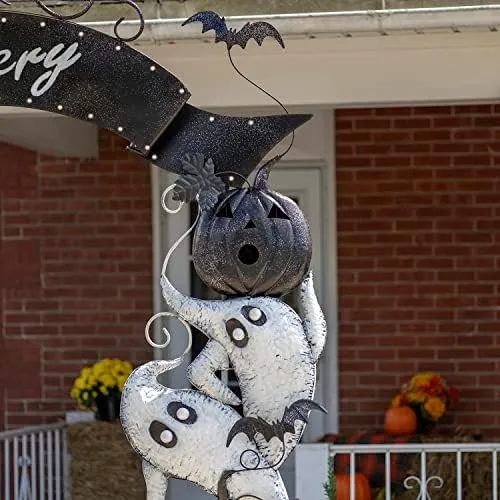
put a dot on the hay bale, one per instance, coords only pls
(103, 464)
(477, 472)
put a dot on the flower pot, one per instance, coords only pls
(425, 426)
(107, 407)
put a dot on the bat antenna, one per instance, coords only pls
(275, 99)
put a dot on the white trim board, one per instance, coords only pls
(342, 72)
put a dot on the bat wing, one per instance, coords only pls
(250, 427)
(299, 411)
(259, 31)
(210, 21)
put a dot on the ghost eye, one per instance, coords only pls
(237, 333)
(182, 413)
(254, 315)
(225, 211)
(277, 213)
(162, 434)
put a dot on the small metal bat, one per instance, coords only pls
(251, 426)
(258, 30)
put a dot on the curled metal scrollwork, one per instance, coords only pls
(86, 8)
(67, 17)
(141, 23)
(414, 482)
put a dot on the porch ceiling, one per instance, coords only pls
(343, 71)
(361, 21)
(171, 9)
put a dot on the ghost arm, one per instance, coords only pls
(201, 373)
(313, 319)
(156, 482)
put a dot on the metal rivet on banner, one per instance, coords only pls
(4, 19)
(181, 91)
(147, 147)
(153, 68)
(29, 100)
(118, 47)
(250, 122)
(90, 116)
(43, 24)
(212, 118)
(59, 107)
(80, 34)
(154, 157)
(231, 178)
(120, 129)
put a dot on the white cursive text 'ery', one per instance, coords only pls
(55, 61)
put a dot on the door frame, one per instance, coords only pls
(164, 235)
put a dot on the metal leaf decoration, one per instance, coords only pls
(198, 179)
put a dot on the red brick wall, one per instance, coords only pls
(419, 247)
(75, 273)
(419, 254)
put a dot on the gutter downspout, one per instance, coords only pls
(379, 21)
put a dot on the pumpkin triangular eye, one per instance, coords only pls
(277, 213)
(225, 211)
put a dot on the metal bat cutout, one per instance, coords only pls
(257, 31)
(272, 350)
(181, 433)
(58, 66)
(252, 426)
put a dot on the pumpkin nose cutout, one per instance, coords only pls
(250, 225)
(248, 254)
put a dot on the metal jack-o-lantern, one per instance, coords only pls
(254, 241)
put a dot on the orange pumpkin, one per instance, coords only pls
(400, 421)
(361, 487)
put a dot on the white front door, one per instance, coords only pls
(299, 181)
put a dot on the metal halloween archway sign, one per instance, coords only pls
(251, 244)
(56, 65)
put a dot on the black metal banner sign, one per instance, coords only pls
(58, 66)
(54, 65)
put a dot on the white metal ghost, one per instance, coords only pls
(182, 434)
(271, 349)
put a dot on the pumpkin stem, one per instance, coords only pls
(262, 178)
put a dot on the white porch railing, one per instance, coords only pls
(313, 462)
(33, 463)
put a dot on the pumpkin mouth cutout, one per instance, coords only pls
(248, 255)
